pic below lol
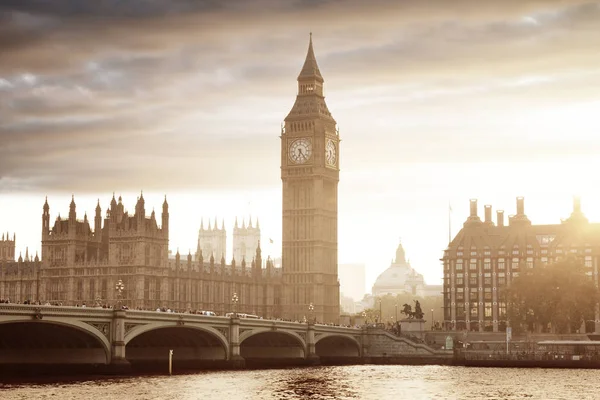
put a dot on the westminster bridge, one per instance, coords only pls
(118, 339)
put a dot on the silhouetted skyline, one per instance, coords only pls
(436, 102)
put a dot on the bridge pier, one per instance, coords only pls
(311, 352)
(235, 359)
(118, 361)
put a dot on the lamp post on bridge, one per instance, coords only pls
(119, 287)
(432, 319)
(234, 300)
(311, 308)
(380, 314)
(396, 306)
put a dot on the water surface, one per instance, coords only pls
(377, 382)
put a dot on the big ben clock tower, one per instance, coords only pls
(310, 175)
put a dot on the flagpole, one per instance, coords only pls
(449, 223)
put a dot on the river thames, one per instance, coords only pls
(343, 382)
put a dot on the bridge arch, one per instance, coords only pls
(337, 345)
(270, 343)
(189, 342)
(50, 337)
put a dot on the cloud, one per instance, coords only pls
(173, 94)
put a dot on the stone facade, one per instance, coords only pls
(81, 266)
(310, 175)
(484, 257)
(7, 247)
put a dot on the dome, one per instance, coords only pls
(399, 277)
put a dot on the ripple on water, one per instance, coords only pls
(327, 383)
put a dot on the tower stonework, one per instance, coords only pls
(212, 241)
(310, 176)
(245, 240)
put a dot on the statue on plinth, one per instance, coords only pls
(418, 313)
(410, 314)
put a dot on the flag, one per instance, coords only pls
(270, 240)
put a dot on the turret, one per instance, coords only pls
(98, 221)
(45, 219)
(72, 213)
(258, 257)
(165, 217)
(140, 208)
(113, 206)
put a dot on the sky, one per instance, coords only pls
(436, 101)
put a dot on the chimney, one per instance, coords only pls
(473, 207)
(500, 218)
(520, 206)
(488, 213)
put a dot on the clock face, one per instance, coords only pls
(300, 151)
(330, 153)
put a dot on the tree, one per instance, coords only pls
(555, 297)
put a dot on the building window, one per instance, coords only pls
(473, 265)
(487, 264)
(474, 310)
(544, 260)
(487, 278)
(459, 265)
(488, 310)
(502, 310)
(459, 253)
(515, 263)
(588, 261)
(515, 274)
(473, 294)
(487, 294)
(501, 278)
(529, 262)
(460, 294)
(501, 263)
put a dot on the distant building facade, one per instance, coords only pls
(7, 247)
(484, 257)
(80, 265)
(352, 280)
(401, 278)
(245, 240)
(212, 240)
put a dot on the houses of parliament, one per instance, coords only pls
(81, 260)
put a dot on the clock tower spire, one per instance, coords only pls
(310, 176)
